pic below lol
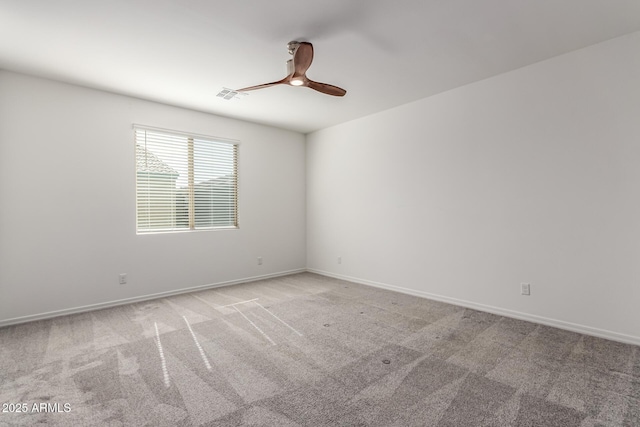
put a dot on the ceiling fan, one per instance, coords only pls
(297, 68)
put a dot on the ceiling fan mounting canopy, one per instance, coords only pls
(297, 71)
(292, 46)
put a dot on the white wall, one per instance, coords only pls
(67, 201)
(530, 176)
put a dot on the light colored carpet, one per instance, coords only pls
(307, 350)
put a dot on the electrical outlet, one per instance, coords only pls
(339, 260)
(525, 288)
(259, 260)
(122, 278)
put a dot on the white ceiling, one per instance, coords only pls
(385, 53)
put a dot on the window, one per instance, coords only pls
(184, 182)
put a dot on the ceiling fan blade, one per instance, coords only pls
(326, 88)
(244, 89)
(302, 59)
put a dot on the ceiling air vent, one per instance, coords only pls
(228, 94)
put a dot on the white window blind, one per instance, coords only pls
(184, 182)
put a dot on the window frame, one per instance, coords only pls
(191, 201)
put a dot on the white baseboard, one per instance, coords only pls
(108, 304)
(601, 333)
(587, 330)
